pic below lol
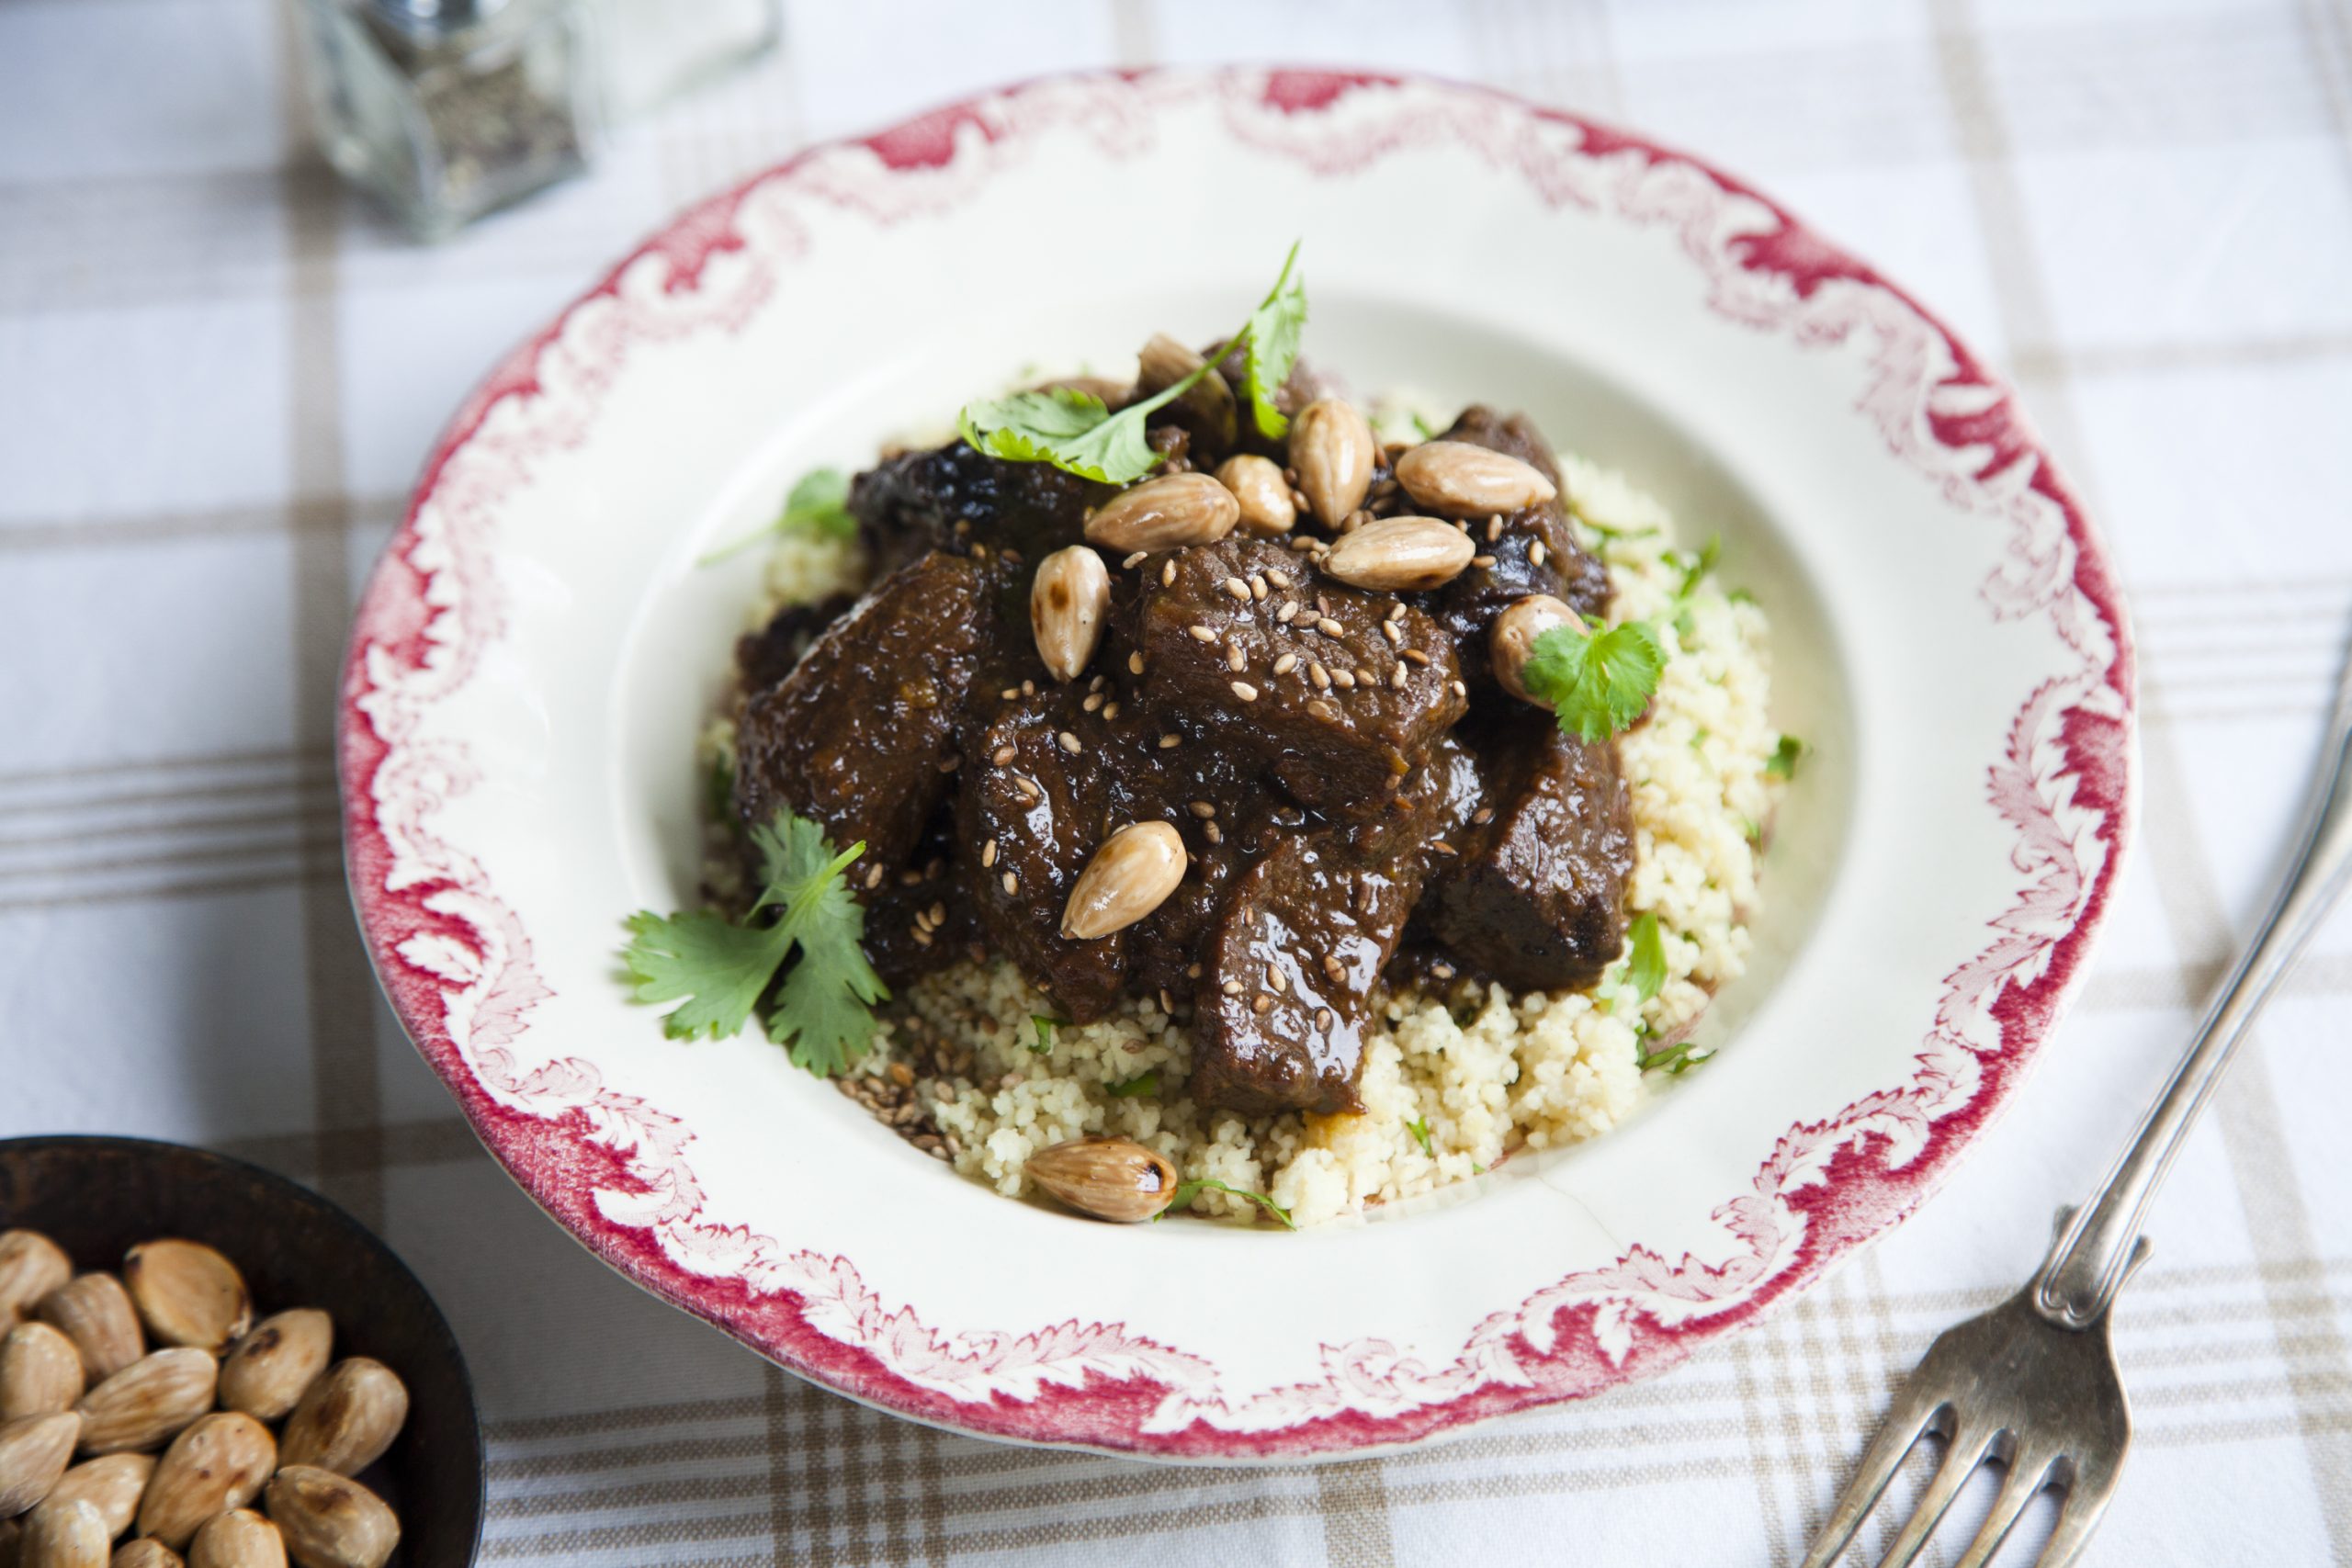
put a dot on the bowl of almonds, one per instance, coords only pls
(204, 1365)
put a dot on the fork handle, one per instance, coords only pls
(2094, 1252)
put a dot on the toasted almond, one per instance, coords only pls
(149, 1402)
(217, 1464)
(1134, 872)
(112, 1485)
(34, 1451)
(1164, 362)
(1513, 638)
(266, 1372)
(188, 1294)
(1067, 600)
(63, 1535)
(41, 1373)
(238, 1539)
(1463, 480)
(1112, 1178)
(30, 1266)
(145, 1554)
(329, 1522)
(95, 1311)
(1331, 448)
(1257, 485)
(348, 1418)
(1162, 514)
(1400, 554)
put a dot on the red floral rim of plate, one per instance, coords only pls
(458, 965)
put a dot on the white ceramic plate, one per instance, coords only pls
(537, 648)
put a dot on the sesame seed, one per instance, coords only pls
(1135, 663)
(1028, 787)
(1299, 502)
(1442, 971)
(1263, 1005)
(1168, 742)
(1483, 815)
(1275, 981)
(1110, 711)
(1289, 610)
(922, 937)
(1202, 810)
(938, 914)
(1012, 884)
(1329, 627)
(1201, 634)
(1290, 477)
(1320, 676)
(874, 877)
(1396, 677)
(1258, 586)
(1287, 664)
(1366, 676)
(1215, 834)
(1010, 693)
(1458, 688)
(1333, 967)
(1238, 588)
(1134, 561)
(1494, 529)
(1416, 656)
(988, 855)
(1028, 688)
(1167, 1002)
(1278, 577)
(1234, 659)
(1069, 743)
(923, 922)
(1095, 684)
(1192, 971)
(1002, 755)
(910, 878)
(949, 764)
(1396, 611)
(1324, 1020)
(1325, 711)
(1245, 690)
(1092, 703)
(1344, 679)
(1393, 632)
(1168, 573)
(1442, 847)
(1355, 520)
(1484, 562)
(1535, 553)
(1231, 988)
(1465, 528)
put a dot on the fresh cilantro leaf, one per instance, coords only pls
(1419, 1127)
(1477, 1169)
(719, 791)
(1272, 334)
(1646, 947)
(1598, 682)
(721, 967)
(1421, 426)
(1675, 1060)
(1740, 596)
(1695, 567)
(1782, 763)
(1755, 829)
(1606, 532)
(1045, 1027)
(1133, 1087)
(1187, 1190)
(1074, 431)
(817, 505)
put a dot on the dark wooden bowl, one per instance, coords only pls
(99, 1197)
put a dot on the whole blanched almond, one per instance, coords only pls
(330, 1522)
(30, 1266)
(1331, 449)
(64, 1535)
(1132, 875)
(1512, 639)
(1162, 514)
(1112, 1178)
(41, 1371)
(1463, 480)
(188, 1294)
(149, 1402)
(95, 1311)
(1400, 554)
(1257, 485)
(145, 1554)
(112, 1485)
(1164, 362)
(34, 1451)
(1067, 600)
(239, 1538)
(218, 1464)
(266, 1372)
(347, 1419)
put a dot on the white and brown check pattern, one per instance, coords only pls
(218, 372)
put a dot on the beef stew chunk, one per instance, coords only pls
(952, 498)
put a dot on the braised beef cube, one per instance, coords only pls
(952, 498)
(859, 735)
(1229, 818)
(1324, 699)
(1026, 827)
(1533, 551)
(1286, 990)
(764, 657)
(1537, 897)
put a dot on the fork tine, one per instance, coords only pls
(1915, 1410)
(2086, 1501)
(2020, 1487)
(1968, 1445)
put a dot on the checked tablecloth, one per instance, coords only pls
(218, 373)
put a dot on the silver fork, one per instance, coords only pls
(2032, 1384)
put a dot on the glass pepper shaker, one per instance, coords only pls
(447, 108)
